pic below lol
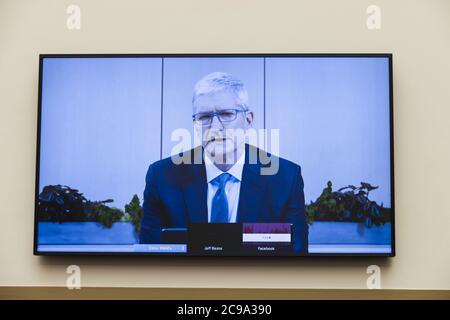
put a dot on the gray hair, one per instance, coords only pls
(221, 81)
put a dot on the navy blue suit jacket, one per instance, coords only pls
(175, 196)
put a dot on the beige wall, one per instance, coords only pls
(416, 32)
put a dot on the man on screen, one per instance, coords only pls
(228, 184)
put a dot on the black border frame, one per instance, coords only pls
(217, 55)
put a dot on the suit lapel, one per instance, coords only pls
(251, 197)
(195, 190)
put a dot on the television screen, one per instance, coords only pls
(215, 155)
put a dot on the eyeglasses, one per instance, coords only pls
(224, 116)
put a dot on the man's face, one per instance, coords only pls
(222, 138)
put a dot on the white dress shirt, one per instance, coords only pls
(232, 188)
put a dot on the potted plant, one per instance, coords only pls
(350, 203)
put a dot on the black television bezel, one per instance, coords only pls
(389, 56)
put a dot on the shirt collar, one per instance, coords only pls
(213, 172)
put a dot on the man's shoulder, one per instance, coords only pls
(267, 159)
(274, 172)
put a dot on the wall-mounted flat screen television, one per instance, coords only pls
(215, 155)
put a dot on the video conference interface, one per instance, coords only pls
(249, 155)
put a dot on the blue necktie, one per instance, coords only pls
(219, 208)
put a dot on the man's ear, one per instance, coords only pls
(249, 118)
